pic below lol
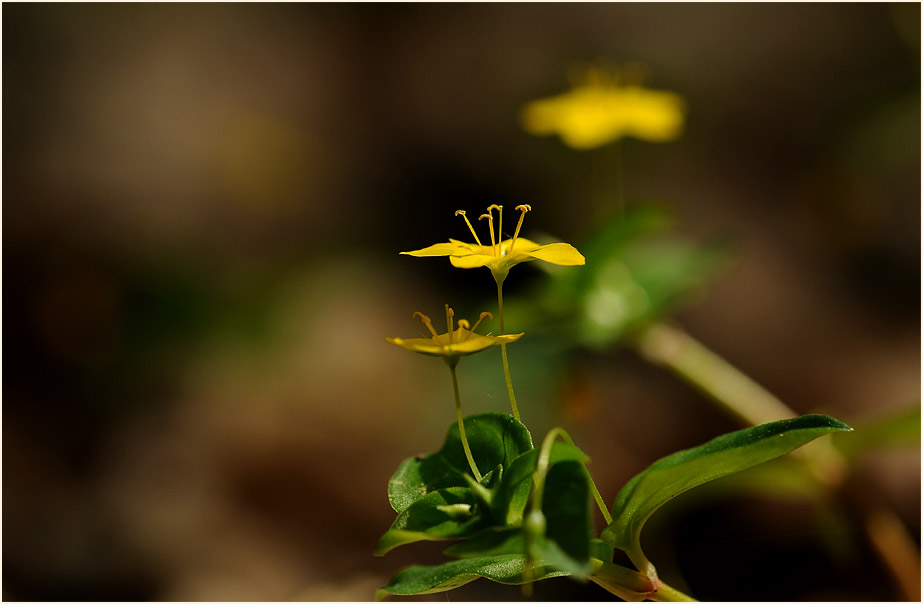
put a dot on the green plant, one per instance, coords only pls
(519, 514)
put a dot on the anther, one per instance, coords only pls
(483, 314)
(464, 324)
(468, 222)
(425, 320)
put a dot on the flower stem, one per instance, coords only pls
(506, 362)
(461, 427)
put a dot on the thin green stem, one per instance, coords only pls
(599, 501)
(506, 362)
(461, 427)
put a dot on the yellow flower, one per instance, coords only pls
(602, 111)
(500, 256)
(455, 343)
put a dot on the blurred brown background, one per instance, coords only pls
(202, 210)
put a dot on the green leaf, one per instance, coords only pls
(719, 457)
(442, 514)
(496, 439)
(418, 580)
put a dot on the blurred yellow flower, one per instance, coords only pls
(500, 256)
(455, 343)
(602, 110)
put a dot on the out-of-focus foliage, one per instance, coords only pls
(897, 430)
(636, 273)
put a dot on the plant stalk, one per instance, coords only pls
(461, 427)
(506, 362)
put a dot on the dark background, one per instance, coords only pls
(202, 209)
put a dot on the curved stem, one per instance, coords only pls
(461, 428)
(599, 500)
(506, 362)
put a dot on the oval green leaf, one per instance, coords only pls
(681, 471)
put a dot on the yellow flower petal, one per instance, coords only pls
(439, 249)
(473, 261)
(563, 254)
(463, 343)
(477, 343)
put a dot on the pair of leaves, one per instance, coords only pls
(435, 495)
(436, 499)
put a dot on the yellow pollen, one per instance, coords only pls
(468, 222)
(522, 208)
(425, 320)
(483, 314)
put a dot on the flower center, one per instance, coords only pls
(496, 241)
(463, 324)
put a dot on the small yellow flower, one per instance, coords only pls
(455, 343)
(501, 255)
(601, 111)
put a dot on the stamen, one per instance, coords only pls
(425, 320)
(464, 324)
(483, 314)
(522, 208)
(490, 219)
(499, 228)
(449, 313)
(468, 222)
